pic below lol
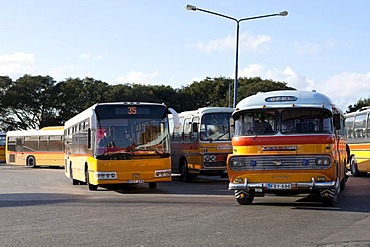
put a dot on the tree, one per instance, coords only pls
(28, 102)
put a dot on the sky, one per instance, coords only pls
(321, 45)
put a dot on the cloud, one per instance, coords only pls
(343, 89)
(247, 43)
(137, 77)
(17, 64)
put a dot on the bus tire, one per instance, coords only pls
(244, 197)
(185, 176)
(74, 181)
(152, 185)
(354, 170)
(31, 161)
(92, 187)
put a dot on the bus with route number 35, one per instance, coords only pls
(118, 143)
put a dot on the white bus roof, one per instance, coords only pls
(364, 110)
(205, 110)
(34, 132)
(286, 99)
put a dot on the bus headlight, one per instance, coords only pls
(323, 161)
(105, 175)
(162, 173)
(210, 158)
(236, 163)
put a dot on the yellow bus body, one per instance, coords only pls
(44, 147)
(304, 151)
(202, 142)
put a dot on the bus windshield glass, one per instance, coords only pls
(216, 126)
(129, 132)
(306, 121)
(285, 121)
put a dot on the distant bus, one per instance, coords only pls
(2, 147)
(358, 138)
(118, 143)
(288, 143)
(202, 142)
(33, 148)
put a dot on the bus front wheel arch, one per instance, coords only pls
(31, 161)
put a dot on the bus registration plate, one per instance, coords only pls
(137, 181)
(279, 186)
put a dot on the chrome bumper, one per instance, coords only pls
(305, 185)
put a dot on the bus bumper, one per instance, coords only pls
(294, 185)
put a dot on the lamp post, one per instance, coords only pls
(194, 8)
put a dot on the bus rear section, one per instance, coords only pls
(201, 143)
(358, 138)
(118, 143)
(35, 148)
(300, 148)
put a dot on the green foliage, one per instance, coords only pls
(38, 101)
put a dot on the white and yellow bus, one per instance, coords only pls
(288, 143)
(358, 138)
(118, 143)
(2, 146)
(44, 147)
(201, 143)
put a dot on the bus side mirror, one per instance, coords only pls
(336, 120)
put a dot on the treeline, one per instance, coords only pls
(33, 102)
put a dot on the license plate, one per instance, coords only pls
(138, 181)
(279, 186)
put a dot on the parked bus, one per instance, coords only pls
(288, 143)
(202, 142)
(358, 138)
(33, 148)
(2, 146)
(118, 143)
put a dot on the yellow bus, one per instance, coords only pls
(358, 138)
(288, 143)
(201, 143)
(44, 147)
(2, 146)
(118, 143)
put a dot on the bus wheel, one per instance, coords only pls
(244, 197)
(74, 181)
(354, 170)
(152, 185)
(31, 162)
(92, 187)
(185, 176)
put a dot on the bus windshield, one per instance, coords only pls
(215, 126)
(125, 138)
(284, 121)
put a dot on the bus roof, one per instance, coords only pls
(286, 99)
(364, 110)
(205, 110)
(34, 132)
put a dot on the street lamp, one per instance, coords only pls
(194, 8)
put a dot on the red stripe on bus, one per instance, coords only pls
(282, 140)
